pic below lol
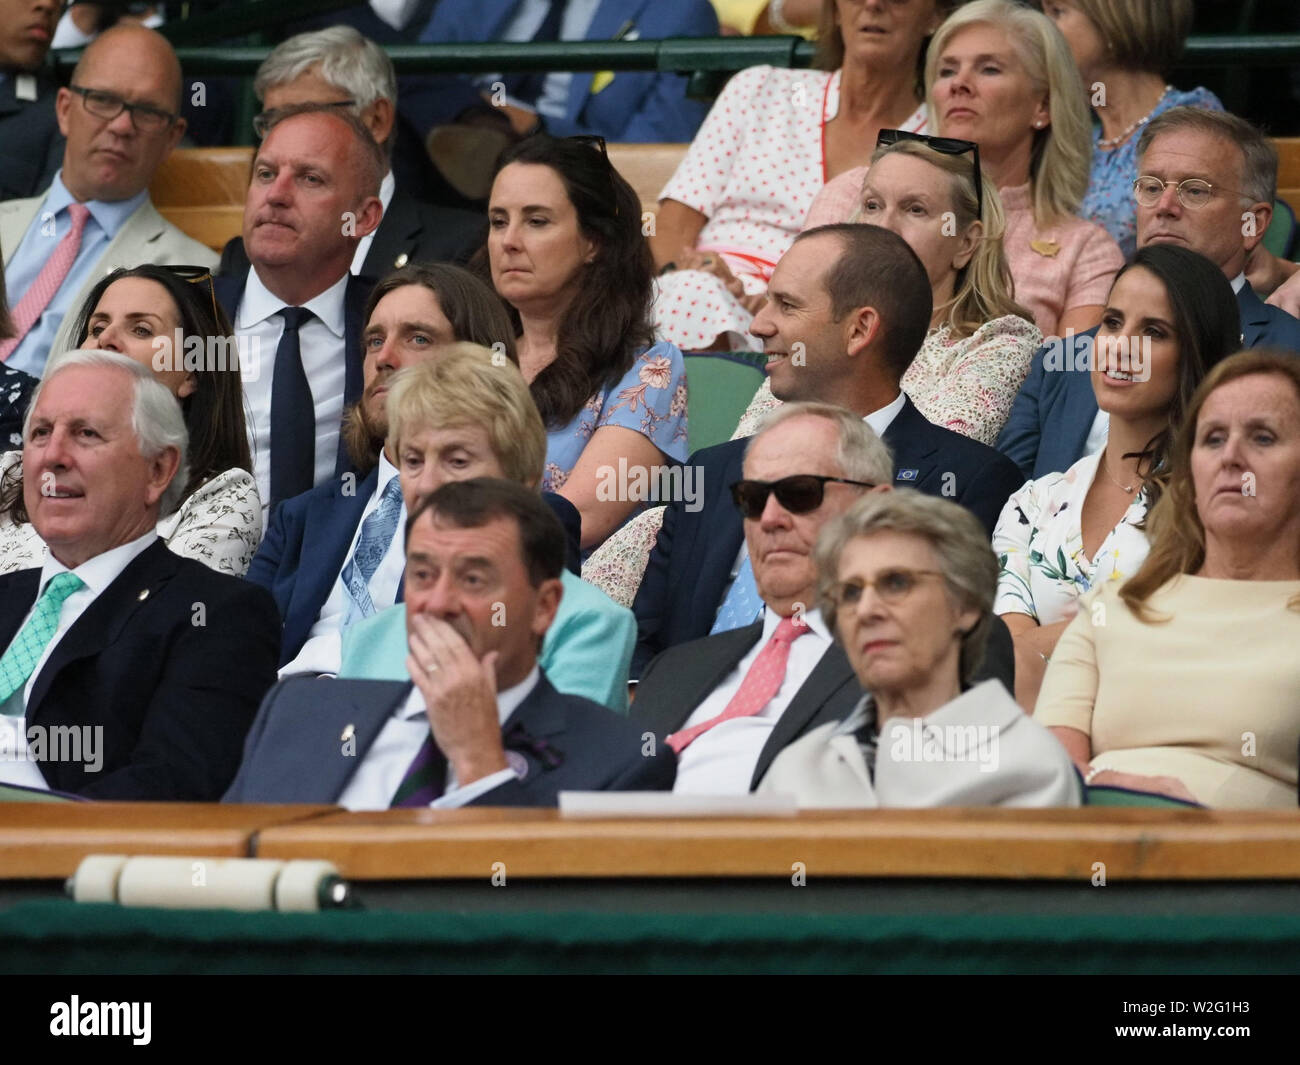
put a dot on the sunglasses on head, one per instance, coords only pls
(799, 494)
(945, 145)
(196, 275)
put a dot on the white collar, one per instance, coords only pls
(1238, 283)
(259, 304)
(812, 618)
(99, 572)
(881, 419)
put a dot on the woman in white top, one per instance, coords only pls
(1171, 315)
(167, 317)
(770, 142)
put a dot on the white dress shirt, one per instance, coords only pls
(96, 575)
(323, 651)
(528, 18)
(384, 767)
(324, 358)
(386, 188)
(722, 760)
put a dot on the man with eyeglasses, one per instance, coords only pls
(1207, 181)
(847, 309)
(338, 67)
(28, 130)
(121, 119)
(729, 703)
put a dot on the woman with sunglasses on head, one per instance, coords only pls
(1170, 317)
(144, 312)
(772, 139)
(905, 583)
(1000, 74)
(565, 253)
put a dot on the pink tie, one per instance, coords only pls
(761, 683)
(52, 275)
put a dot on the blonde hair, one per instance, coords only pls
(1061, 158)
(1174, 524)
(466, 384)
(983, 288)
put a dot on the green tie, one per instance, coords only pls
(28, 646)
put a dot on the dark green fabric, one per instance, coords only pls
(63, 938)
(1280, 236)
(720, 388)
(1102, 796)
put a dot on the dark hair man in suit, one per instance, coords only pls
(847, 308)
(313, 195)
(480, 723)
(154, 664)
(338, 67)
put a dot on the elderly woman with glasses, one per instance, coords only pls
(167, 318)
(905, 583)
(1000, 74)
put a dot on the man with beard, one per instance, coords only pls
(309, 559)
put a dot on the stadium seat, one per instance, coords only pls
(647, 168)
(721, 386)
(201, 192)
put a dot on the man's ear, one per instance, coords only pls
(380, 118)
(369, 215)
(862, 328)
(162, 468)
(881, 488)
(62, 105)
(549, 594)
(1263, 216)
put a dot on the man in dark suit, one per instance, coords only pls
(479, 723)
(314, 194)
(29, 130)
(340, 68)
(412, 314)
(128, 672)
(846, 311)
(730, 702)
(1223, 214)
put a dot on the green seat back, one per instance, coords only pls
(721, 386)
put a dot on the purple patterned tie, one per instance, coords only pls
(425, 778)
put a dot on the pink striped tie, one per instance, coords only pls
(760, 685)
(52, 275)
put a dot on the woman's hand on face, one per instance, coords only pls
(1170, 786)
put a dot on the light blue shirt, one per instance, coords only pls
(50, 226)
(528, 19)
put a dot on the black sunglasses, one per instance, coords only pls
(196, 275)
(946, 145)
(799, 494)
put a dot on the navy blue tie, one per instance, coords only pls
(293, 414)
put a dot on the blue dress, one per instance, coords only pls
(1109, 201)
(650, 399)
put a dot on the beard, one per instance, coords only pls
(363, 436)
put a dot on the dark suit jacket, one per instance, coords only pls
(170, 660)
(230, 290)
(419, 231)
(295, 749)
(635, 106)
(1056, 406)
(306, 547)
(690, 565)
(29, 134)
(678, 680)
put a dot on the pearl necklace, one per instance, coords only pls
(1111, 142)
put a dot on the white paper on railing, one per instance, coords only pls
(668, 804)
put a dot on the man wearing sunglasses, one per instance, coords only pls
(120, 116)
(728, 704)
(847, 308)
(1207, 181)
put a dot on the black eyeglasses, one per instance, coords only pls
(264, 120)
(196, 275)
(144, 118)
(799, 494)
(946, 145)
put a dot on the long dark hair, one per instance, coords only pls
(1207, 319)
(609, 322)
(214, 412)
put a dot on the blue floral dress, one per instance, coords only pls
(650, 400)
(1109, 201)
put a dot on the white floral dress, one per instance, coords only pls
(1039, 543)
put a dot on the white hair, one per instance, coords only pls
(156, 416)
(350, 62)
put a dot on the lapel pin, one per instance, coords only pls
(401, 260)
(143, 595)
(348, 732)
